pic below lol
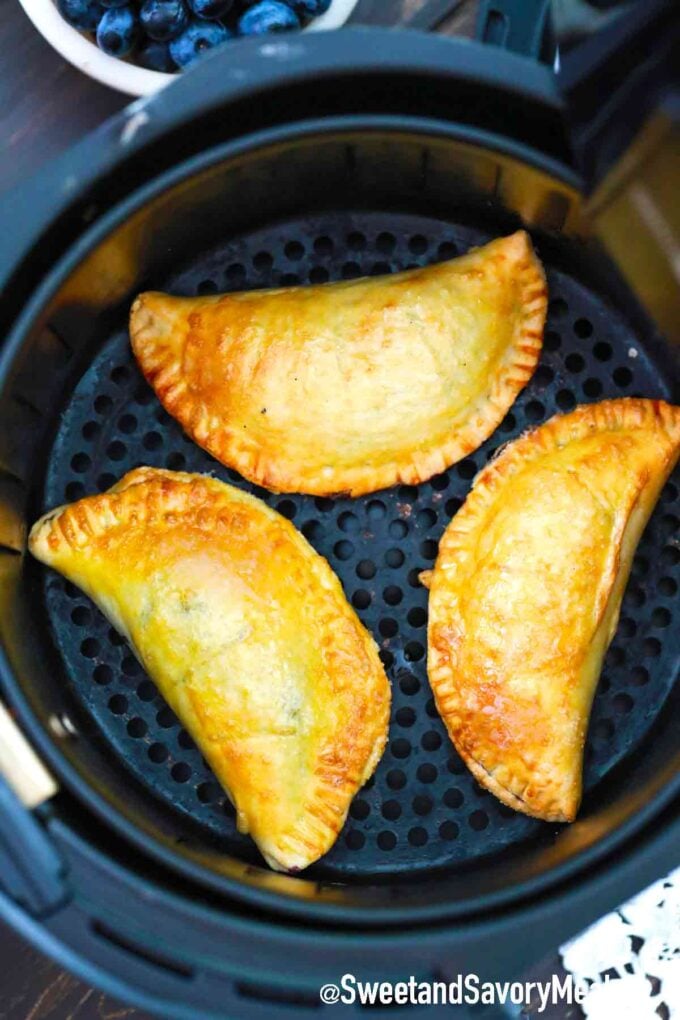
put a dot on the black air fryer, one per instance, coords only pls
(304, 159)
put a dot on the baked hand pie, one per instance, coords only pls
(349, 387)
(248, 635)
(526, 592)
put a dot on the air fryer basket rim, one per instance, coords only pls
(197, 935)
(75, 253)
(86, 242)
(475, 138)
(257, 71)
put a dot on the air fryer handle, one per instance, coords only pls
(610, 82)
(522, 26)
(614, 81)
(31, 870)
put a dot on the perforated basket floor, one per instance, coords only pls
(422, 809)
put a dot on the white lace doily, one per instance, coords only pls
(631, 959)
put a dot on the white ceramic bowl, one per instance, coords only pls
(121, 74)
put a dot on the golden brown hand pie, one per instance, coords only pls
(250, 639)
(349, 387)
(526, 592)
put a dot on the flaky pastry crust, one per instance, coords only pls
(349, 387)
(248, 635)
(526, 592)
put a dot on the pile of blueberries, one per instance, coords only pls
(165, 35)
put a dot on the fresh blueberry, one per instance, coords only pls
(196, 39)
(114, 3)
(82, 14)
(211, 8)
(156, 56)
(310, 8)
(268, 16)
(163, 19)
(117, 31)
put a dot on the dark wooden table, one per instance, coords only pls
(45, 106)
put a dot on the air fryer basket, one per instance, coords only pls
(308, 202)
